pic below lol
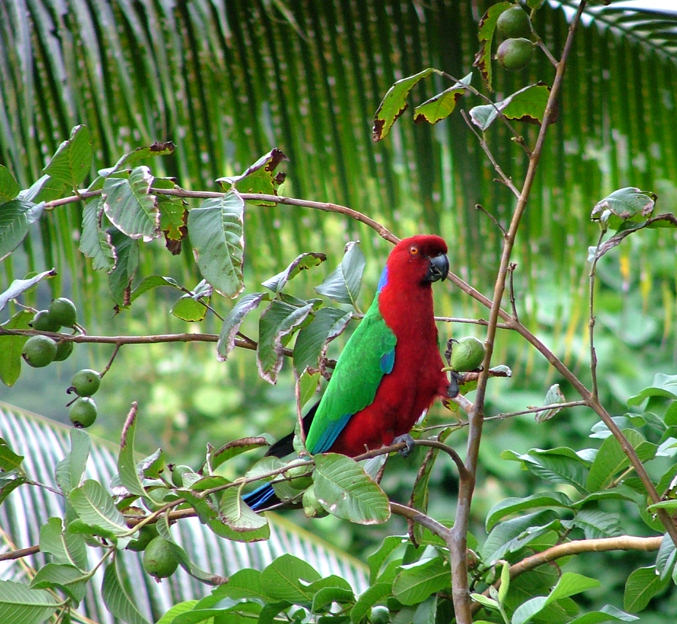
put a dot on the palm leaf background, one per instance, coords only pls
(228, 80)
(44, 443)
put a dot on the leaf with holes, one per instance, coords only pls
(394, 103)
(440, 106)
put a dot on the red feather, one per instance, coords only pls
(406, 304)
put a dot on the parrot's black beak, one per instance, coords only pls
(438, 269)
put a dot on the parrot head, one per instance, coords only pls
(418, 260)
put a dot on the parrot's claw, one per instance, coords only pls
(454, 380)
(408, 440)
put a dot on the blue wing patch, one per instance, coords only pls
(387, 362)
(383, 280)
(329, 436)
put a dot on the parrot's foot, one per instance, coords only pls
(455, 379)
(408, 440)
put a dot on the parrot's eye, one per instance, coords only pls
(413, 250)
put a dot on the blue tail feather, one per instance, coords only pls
(260, 497)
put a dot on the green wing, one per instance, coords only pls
(368, 355)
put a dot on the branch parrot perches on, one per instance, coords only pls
(390, 370)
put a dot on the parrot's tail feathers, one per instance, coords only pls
(285, 446)
(262, 497)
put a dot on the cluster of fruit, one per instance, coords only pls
(159, 556)
(41, 350)
(516, 50)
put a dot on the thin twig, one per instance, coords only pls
(505, 179)
(493, 219)
(591, 316)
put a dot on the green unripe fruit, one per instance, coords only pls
(379, 615)
(514, 22)
(44, 321)
(146, 533)
(39, 351)
(299, 477)
(515, 53)
(83, 412)
(85, 382)
(63, 311)
(311, 506)
(63, 349)
(159, 559)
(467, 354)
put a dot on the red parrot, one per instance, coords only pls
(390, 370)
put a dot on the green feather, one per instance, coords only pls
(368, 355)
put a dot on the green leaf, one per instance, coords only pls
(561, 465)
(11, 347)
(231, 324)
(275, 324)
(664, 386)
(9, 460)
(66, 547)
(569, 584)
(343, 285)
(64, 576)
(95, 241)
(485, 601)
(16, 216)
(527, 104)
(625, 205)
(505, 582)
(259, 177)
(611, 459)
(117, 596)
(216, 457)
(216, 234)
(346, 491)
(153, 281)
(666, 556)
(120, 278)
(300, 263)
(245, 583)
(127, 471)
(70, 469)
(641, 586)
(70, 164)
(189, 309)
(512, 505)
(512, 535)
(130, 206)
(394, 103)
(94, 506)
(485, 33)
(596, 524)
(552, 397)
(289, 578)
(19, 603)
(440, 106)
(9, 187)
(607, 613)
(417, 581)
(313, 339)
(173, 219)
(19, 286)
(237, 515)
(368, 598)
